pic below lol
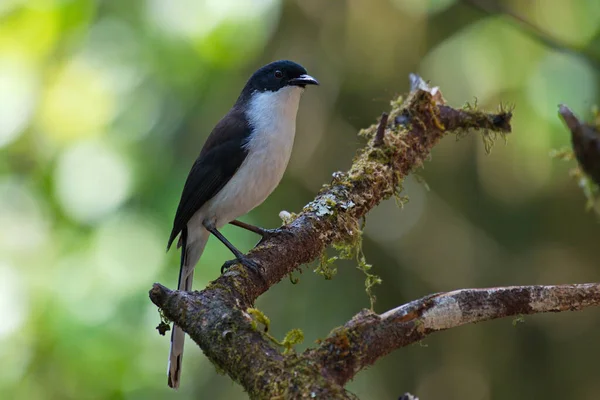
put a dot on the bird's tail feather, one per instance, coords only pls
(191, 250)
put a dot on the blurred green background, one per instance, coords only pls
(104, 105)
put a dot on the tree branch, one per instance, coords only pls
(216, 318)
(368, 336)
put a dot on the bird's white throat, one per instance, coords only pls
(272, 116)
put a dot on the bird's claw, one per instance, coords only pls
(269, 233)
(245, 261)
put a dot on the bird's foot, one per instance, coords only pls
(269, 233)
(245, 261)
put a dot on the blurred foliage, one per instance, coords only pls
(105, 105)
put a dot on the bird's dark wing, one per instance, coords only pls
(220, 158)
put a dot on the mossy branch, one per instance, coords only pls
(217, 319)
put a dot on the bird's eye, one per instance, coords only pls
(278, 74)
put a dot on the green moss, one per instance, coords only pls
(397, 102)
(371, 280)
(216, 285)
(293, 279)
(489, 138)
(471, 107)
(287, 217)
(233, 286)
(258, 317)
(326, 267)
(218, 369)
(366, 132)
(163, 318)
(422, 181)
(590, 190)
(564, 154)
(347, 249)
(401, 200)
(164, 325)
(518, 320)
(292, 338)
(485, 123)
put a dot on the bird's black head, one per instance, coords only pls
(279, 74)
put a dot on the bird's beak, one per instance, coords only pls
(304, 80)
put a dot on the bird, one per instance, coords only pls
(241, 162)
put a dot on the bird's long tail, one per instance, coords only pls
(191, 250)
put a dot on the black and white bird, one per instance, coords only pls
(241, 163)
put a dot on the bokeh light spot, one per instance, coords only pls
(194, 19)
(83, 291)
(478, 61)
(561, 78)
(130, 250)
(522, 170)
(123, 259)
(223, 30)
(24, 227)
(31, 30)
(8, 5)
(14, 306)
(78, 103)
(16, 351)
(574, 22)
(91, 180)
(18, 93)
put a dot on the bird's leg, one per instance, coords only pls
(263, 232)
(240, 257)
(252, 228)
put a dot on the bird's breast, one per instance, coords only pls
(269, 147)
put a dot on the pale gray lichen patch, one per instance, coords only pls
(446, 313)
(326, 205)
